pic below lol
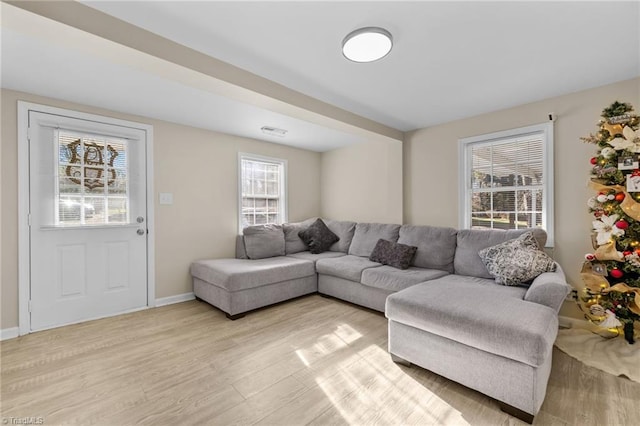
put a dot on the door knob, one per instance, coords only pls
(140, 231)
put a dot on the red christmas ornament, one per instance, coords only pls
(626, 253)
(589, 257)
(616, 273)
(593, 160)
(622, 224)
(620, 197)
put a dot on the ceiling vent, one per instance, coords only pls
(273, 131)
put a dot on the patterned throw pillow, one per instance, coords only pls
(393, 254)
(318, 237)
(518, 261)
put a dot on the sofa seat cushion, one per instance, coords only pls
(394, 279)
(348, 267)
(242, 274)
(478, 316)
(307, 255)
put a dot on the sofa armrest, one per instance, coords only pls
(549, 289)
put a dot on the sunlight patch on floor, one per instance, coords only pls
(340, 338)
(379, 391)
(302, 358)
(347, 333)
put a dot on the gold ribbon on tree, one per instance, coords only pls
(629, 206)
(634, 306)
(608, 252)
(594, 282)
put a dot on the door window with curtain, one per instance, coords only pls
(262, 190)
(507, 180)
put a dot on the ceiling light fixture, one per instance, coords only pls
(273, 131)
(367, 44)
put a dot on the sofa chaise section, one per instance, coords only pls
(501, 347)
(236, 286)
(494, 338)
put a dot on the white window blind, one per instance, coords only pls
(262, 190)
(507, 180)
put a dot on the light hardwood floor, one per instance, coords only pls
(308, 361)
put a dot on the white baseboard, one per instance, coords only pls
(163, 301)
(570, 322)
(9, 333)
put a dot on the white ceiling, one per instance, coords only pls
(449, 61)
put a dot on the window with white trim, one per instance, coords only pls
(262, 190)
(507, 180)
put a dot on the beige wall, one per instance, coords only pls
(198, 166)
(363, 183)
(431, 172)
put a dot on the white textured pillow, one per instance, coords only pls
(516, 262)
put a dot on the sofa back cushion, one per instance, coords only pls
(436, 246)
(344, 230)
(262, 241)
(292, 241)
(366, 237)
(470, 241)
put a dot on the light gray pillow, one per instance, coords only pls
(292, 242)
(367, 235)
(261, 241)
(344, 230)
(516, 262)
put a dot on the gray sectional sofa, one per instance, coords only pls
(446, 313)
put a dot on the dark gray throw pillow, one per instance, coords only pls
(393, 254)
(318, 237)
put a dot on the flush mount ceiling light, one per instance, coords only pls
(367, 44)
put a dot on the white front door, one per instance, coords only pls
(88, 234)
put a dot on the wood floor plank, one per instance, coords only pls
(260, 405)
(308, 361)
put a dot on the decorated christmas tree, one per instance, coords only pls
(611, 274)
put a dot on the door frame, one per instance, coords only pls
(24, 240)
